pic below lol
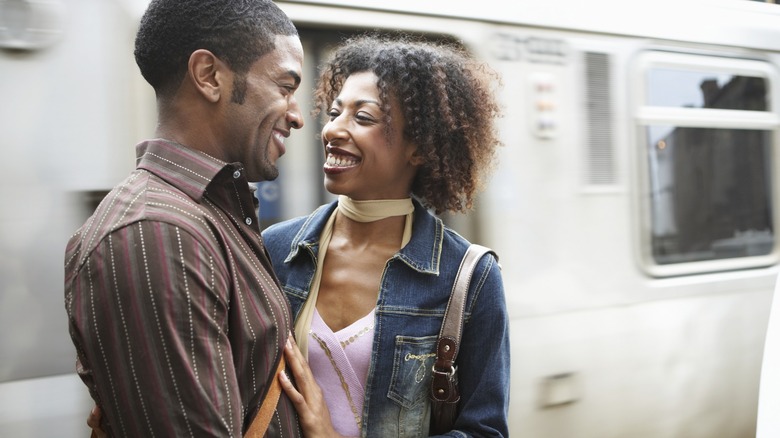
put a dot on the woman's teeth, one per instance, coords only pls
(333, 160)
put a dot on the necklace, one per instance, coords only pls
(354, 337)
(344, 385)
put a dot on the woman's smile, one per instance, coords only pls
(337, 161)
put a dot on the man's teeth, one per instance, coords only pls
(339, 161)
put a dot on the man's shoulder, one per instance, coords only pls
(144, 196)
(141, 197)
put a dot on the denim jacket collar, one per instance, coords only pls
(422, 253)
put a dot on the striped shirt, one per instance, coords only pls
(176, 315)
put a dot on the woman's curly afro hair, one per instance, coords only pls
(447, 100)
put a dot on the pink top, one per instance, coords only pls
(339, 362)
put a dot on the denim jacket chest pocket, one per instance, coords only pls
(412, 363)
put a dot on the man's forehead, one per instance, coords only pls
(286, 59)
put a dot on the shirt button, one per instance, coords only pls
(248, 221)
(237, 174)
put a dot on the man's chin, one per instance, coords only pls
(269, 174)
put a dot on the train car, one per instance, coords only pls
(634, 206)
(768, 422)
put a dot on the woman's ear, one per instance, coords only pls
(208, 74)
(416, 159)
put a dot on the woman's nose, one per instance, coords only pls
(332, 131)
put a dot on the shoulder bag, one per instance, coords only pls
(444, 384)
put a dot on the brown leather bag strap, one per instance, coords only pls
(263, 418)
(443, 388)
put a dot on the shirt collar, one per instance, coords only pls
(189, 170)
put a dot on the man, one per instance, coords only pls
(178, 321)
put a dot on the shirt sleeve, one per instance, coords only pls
(149, 320)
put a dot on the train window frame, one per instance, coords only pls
(646, 116)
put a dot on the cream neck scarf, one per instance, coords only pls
(370, 211)
(359, 211)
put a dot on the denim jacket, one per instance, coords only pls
(415, 287)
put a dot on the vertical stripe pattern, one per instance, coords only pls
(175, 313)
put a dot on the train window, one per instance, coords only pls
(710, 194)
(700, 89)
(707, 164)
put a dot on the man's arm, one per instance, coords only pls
(149, 317)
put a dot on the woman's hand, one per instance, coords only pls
(93, 421)
(313, 413)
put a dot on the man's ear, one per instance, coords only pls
(208, 74)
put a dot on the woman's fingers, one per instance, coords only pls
(313, 413)
(93, 421)
(298, 365)
(296, 397)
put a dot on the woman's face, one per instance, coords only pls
(362, 160)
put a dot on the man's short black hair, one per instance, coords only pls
(238, 32)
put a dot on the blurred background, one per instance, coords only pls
(634, 207)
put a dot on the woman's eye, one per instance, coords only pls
(364, 117)
(333, 113)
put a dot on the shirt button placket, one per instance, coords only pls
(237, 175)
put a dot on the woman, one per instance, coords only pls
(411, 127)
